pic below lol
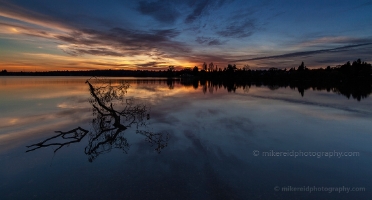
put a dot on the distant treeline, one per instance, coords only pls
(356, 71)
(348, 72)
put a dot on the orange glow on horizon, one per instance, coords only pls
(32, 62)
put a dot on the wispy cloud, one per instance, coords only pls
(122, 42)
(168, 11)
(73, 40)
(208, 41)
(199, 7)
(202, 8)
(107, 64)
(163, 11)
(22, 14)
(306, 53)
(333, 40)
(151, 64)
(239, 29)
(14, 28)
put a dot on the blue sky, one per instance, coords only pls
(60, 35)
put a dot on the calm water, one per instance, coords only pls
(180, 141)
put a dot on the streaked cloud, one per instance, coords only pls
(208, 41)
(306, 53)
(337, 40)
(239, 29)
(162, 11)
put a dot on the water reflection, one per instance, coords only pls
(110, 122)
(212, 135)
(356, 90)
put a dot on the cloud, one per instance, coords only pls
(197, 12)
(106, 64)
(162, 11)
(168, 33)
(121, 42)
(209, 41)
(334, 40)
(20, 29)
(201, 8)
(239, 29)
(161, 31)
(145, 46)
(306, 53)
(167, 11)
(13, 11)
(77, 40)
(150, 64)
(203, 57)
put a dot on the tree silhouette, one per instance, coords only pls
(231, 68)
(246, 67)
(204, 66)
(195, 71)
(109, 124)
(211, 66)
(302, 67)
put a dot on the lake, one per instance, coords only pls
(131, 138)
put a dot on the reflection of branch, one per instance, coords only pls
(77, 135)
(155, 139)
(96, 147)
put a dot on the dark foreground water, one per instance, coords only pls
(152, 139)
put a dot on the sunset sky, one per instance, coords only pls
(46, 35)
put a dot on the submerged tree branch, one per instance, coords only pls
(76, 134)
(108, 124)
